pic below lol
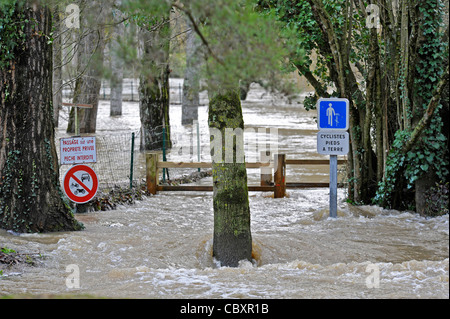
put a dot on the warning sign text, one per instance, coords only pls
(78, 150)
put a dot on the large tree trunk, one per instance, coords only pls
(154, 88)
(89, 70)
(232, 235)
(424, 104)
(30, 194)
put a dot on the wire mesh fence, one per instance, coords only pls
(120, 159)
(119, 162)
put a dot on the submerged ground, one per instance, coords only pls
(160, 247)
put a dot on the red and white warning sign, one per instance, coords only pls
(78, 150)
(80, 184)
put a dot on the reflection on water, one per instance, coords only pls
(161, 247)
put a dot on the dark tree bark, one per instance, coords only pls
(31, 199)
(154, 88)
(232, 235)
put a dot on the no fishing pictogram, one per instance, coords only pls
(80, 184)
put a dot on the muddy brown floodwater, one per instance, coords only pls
(161, 246)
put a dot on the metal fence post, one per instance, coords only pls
(164, 152)
(132, 97)
(333, 186)
(198, 143)
(132, 160)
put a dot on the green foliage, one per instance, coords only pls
(298, 21)
(242, 43)
(307, 42)
(432, 153)
(395, 161)
(310, 102)
(12, 36)
(145, 12)
(7, 250)
(239, 41)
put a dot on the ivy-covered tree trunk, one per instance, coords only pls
(31, 199)
(425, 81)
(89, 69)
(154, 88)
(232, 235)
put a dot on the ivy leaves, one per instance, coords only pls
(430, 154)
(12, 31)
(8, 41)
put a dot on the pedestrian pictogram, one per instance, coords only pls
(80, 184)
(333, 114)
(330, 114)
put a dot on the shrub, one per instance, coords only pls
(437, 200)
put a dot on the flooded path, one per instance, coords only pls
(161, 246)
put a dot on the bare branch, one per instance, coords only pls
(197, 30)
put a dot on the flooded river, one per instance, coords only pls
(161, 246)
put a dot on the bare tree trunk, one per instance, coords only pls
(154, 88)
(89, 70)
(31, 199)
(191, 85)
(116, 70)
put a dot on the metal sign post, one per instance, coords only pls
(76, 106)
(77, 150)
(332, 138)
(333, 186)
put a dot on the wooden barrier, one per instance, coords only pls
(279, 176)
(204, 165)
(151, 163)
(279, 185)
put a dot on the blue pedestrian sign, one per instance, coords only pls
(333, 114)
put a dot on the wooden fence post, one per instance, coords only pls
(151, 162)
(280, 175)
(266, 172)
